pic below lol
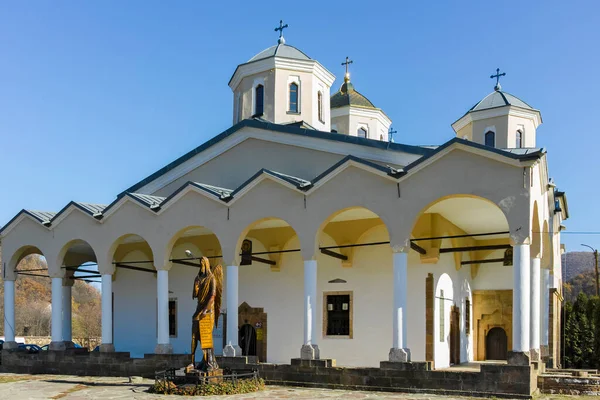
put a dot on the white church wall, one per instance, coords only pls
(134, 309)
(461, 295)
(494, 276)
(444, 292)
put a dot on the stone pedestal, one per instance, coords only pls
(407, 366)
(310, 352)
(399, 355)
(232, 351)
(163, 348)
(518, 358)
(57, 346)
(10, 345)
(323, 363)
(107, 348)
(212, 376)
(534, 355)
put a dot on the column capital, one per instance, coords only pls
(401, 247)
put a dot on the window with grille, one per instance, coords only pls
(468, 316)
(338, 311)
(442, 317)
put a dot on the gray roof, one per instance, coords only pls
(216, 190)
(348, 96)
(523, 151)
(280, 50)
(148, 199)
(41, 216)
(499, 98)
(91, 208)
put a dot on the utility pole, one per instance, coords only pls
(596, 264)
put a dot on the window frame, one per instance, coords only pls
(175, 319)
(493, 136)
(262, 105)
(519, 139)
(350, 314)
(297, 110)
(364, 129)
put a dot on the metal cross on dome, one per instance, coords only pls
(281, 28)
(348, 62)
(497, 76)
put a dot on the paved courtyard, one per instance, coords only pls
(17, 387)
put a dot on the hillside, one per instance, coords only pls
(579, 274)
(33, 303)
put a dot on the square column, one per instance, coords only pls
(310, 348)
(107, 345)
(232, 348)
(9, 315)
(57, 342)
(535, 322)
(399, 351)
(163, 345)
(545, 311)
(521, 305)
(67, 316)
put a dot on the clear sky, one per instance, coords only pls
(96, 95)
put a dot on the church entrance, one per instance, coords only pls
(454, 335)
(496, 347)
(253, 331)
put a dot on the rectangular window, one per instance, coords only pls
(293, 98)
(172, 317)
(338, 314)
(442, 317)
(468, 316)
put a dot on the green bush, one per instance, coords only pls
(240, 387)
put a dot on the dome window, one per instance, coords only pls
(259, 96)
(294, 97)
(362, 132)
(490, 139)
(519, 139)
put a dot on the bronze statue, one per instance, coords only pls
(208, 289)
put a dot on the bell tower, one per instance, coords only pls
(500, 120)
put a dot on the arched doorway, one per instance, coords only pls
(496, 344)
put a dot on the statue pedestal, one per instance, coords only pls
(210, 376)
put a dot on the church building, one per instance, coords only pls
(337, 242)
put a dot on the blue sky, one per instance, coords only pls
(95, 96)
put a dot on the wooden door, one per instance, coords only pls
(454, 335)
(496, 344)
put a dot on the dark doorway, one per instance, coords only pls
(454, 335)
(496, 345)
(247, 340)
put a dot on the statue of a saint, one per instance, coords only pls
(208, 289)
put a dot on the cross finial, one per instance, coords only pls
(391, 135)
(348, 62)
(280, 29)
(497, 76)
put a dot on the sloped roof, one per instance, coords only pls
(41, 216)
(281, 50)
(348, 96)
(499, 98)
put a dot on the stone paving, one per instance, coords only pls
(17, 387)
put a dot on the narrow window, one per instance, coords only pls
(293, 97)
(338, 311)
(468, 316)
(173, 317)
(259, 98)
(362, 132)
(381, 137)
(320, 105)
(239, 107)
(442, 317)
(490, 139)
(519, 140)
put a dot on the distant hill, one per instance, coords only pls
(33, 308)
(578, 268)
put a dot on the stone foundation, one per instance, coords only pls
(512, 381)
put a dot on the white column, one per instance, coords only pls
(521, 291)
(310, 348)
(67, 314)
(57, 323)
(545, 306)
(163, 345)
(399, 351)
(534, 326)
(107, 318)
(232, 349)
(9, 315)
